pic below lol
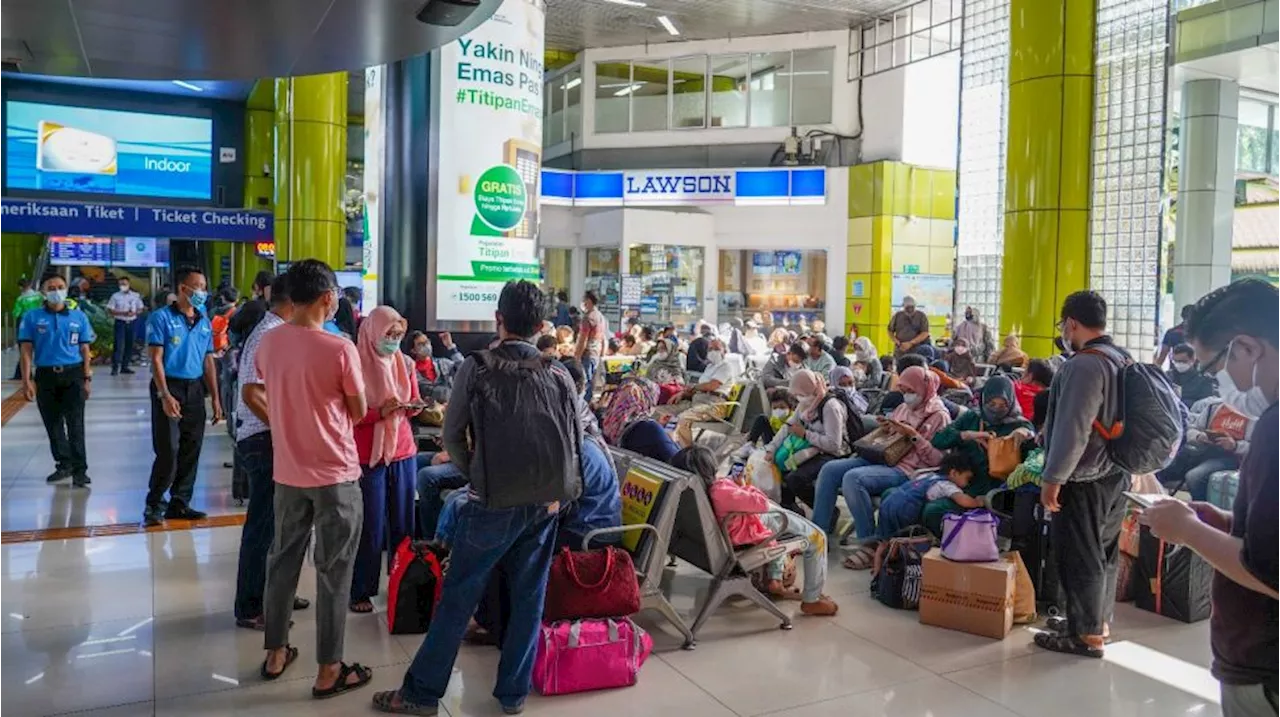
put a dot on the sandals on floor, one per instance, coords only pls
(290, 654)
(1068, 644)
(341, 685)
(301, 603)
(384, 702)
(861, 558)
(359, 608)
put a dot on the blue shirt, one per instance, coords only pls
(184, 341)
(55, 336)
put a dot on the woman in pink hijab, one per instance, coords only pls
(384, 440)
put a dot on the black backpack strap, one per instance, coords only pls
(1121, 360)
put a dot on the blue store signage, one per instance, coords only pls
(685, 187)
(43, 216)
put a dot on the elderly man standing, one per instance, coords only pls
(908, 328)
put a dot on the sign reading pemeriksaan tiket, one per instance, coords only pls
(44, 216)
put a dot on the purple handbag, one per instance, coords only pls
(970, 537)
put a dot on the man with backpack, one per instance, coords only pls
(512, 428)
(1081, 485)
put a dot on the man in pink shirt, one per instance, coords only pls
(314, 393)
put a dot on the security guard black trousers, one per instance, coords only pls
(177, 443)
(60, 398)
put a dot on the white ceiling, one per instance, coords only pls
(577, 24)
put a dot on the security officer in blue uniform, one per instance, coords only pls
(180, 341)
(56, 375)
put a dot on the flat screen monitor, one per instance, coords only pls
(84, 150)
(141, 252)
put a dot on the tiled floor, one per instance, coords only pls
(141, 625)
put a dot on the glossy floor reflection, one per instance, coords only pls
(141, 625)
(118, 444)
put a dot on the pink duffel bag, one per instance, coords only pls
(970, 537)
(583, 655)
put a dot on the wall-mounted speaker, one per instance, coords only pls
(447, 13)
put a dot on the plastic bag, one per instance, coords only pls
(763, 474)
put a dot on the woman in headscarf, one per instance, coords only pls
(814, 435)
(633, 399)
(998, 416)
(666, 366)
(843, 379)
(1011, 354)
(384, 442)
(920, 415)
(976, 334)
(864, 350)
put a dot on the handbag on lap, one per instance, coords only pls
(886, 445)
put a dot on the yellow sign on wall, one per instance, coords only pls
(640, 491)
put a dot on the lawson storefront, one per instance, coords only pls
(675, 246)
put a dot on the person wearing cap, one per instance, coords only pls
(54, 339)
(908, 328)
(751, 335)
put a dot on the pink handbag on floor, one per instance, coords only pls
(583, 655)
(970, 537)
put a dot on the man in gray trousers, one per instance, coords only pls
(314, 394)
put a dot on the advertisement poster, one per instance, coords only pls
(787, 263)
(490, 160)
(60, 148)
(640, 490)
(374, 138)
(932, 292)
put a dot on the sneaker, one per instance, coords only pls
(515, 709)
(57, 475)
(178, 511)
(115, 372)
(81, 480)
(126, 369)
(152, 517)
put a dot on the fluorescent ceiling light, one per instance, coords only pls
(626, 90)
(628, 3)
(573, 83)
(666, 22)
(188, 85)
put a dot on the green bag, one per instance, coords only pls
(1028, 471)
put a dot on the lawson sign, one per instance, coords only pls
(681, 187)
(685, 187)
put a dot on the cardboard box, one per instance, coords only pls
(971, 597)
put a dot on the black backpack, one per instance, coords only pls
(854, 428)
(524, 432)
(1149, 419)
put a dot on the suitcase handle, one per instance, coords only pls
(572, 569)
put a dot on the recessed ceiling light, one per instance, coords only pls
(628, 3)
(626, 90)
(666, 22)
(188, 85)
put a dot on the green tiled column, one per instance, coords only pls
(310, 167)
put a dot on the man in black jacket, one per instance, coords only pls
(248, 316)
(696, 359)
(1183, 373)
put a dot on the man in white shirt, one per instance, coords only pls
(708, 399)
(125, 306)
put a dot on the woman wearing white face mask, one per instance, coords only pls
(706, 400)
(666, 366)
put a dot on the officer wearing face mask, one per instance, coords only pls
(180, 340)
(1233, 331)
(54, 340)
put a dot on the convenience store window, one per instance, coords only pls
(783, 286)
(671, 283)
(604, 278)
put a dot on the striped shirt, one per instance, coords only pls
(248, 424)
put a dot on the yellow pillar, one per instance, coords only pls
(1047, 165)
(310, 167)
(259, 187)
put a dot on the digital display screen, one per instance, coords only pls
(83, 150)
(108, 251)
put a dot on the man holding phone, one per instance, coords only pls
(1234, 330)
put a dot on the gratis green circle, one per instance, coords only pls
(501, 197)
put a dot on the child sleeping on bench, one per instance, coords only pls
(748, 524)
(903, 506)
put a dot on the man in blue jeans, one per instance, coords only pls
(436, 473)
(254, 454)
(512, 429)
